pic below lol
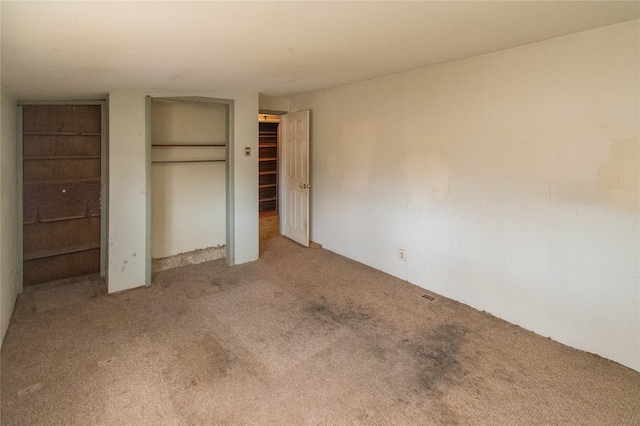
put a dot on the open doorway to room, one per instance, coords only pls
(268, 179)
(283, 185)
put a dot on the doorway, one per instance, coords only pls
(283, 184)
(62, 190)
(268, 181)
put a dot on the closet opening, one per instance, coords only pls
(189, 163)
(268, 178)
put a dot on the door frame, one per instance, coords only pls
(104, 180)
(229, 166)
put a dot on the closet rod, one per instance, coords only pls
(187, 161)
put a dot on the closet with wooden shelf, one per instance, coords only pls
(268, 169)
(61, 190)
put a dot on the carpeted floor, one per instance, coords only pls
(301, 336)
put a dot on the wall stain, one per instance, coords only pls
(618, 176)
(427, 178)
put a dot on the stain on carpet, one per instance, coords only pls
(436, 356)
(72, 292)
(203, 361)
(378, 352)
(348, 316)
(30, 389)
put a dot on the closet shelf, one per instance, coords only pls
(271, 185)
(186, 145)
(58, 251)
(268, 199)
(268, 159)
(60, 134)
(268, 145)
(186, 161)
(77, 157)
(60, 219)
(55, 181)
(267, 173)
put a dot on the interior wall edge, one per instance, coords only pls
(9, 220)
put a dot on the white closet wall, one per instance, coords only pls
(188, 202)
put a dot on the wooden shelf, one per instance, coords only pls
(268, 199)
(268, 159)
(83, 180)
(92, 157)
(268, 213)
(268, 173)
(60, 219)
(269, 185)
(61, 134)
(268, 145)
(40, 254)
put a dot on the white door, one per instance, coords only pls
(294, 175)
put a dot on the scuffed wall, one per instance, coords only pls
(509, 179)
(127, 192)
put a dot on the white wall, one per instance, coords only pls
(510, 179)
(269, 103)
(127, 192)
(9, 220)
(188, 200)
(127, 184)
(245, 176)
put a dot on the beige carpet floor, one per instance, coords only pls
(301, 336)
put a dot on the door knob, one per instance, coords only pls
(305, 186)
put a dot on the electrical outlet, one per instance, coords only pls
(247, 151)
(401, 254)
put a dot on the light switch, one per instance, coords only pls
(247, 152)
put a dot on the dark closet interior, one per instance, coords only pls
(268, 172)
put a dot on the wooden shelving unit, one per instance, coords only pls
(62, 192)
(268, 172)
